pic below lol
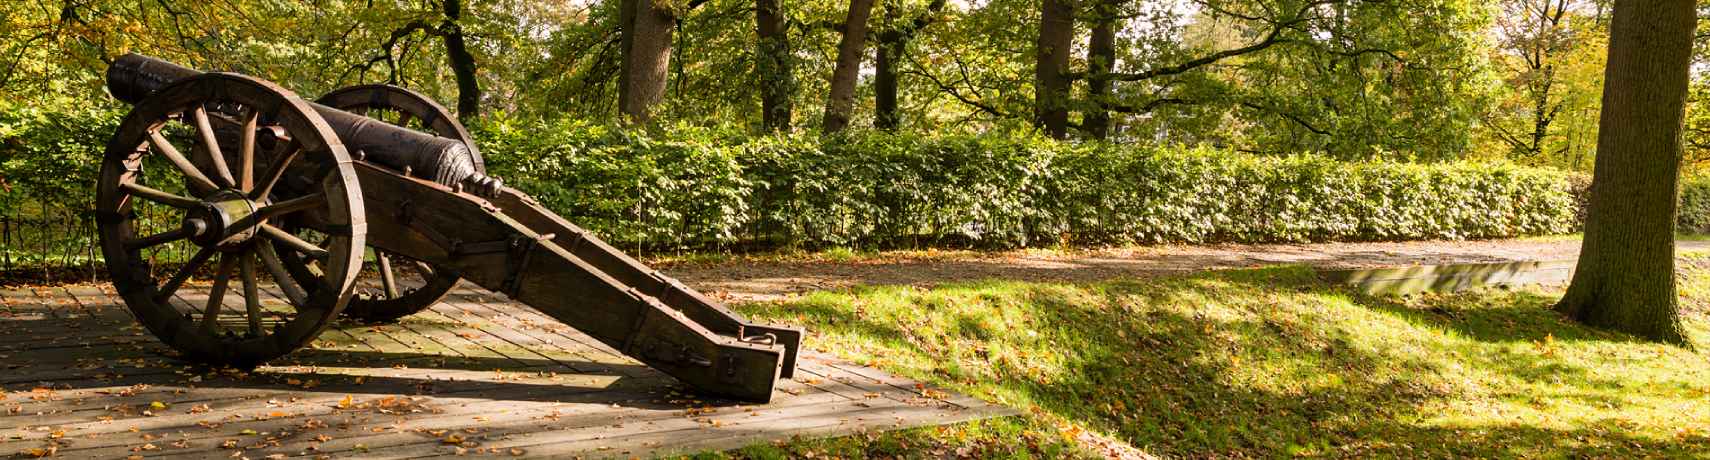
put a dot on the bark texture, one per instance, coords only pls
(646, 58)
(1101, 60)
(1625, 275)
(885, 115)
(848, 70)
(886, 75)
(462, 62)
(775, 68)
(1050, 85)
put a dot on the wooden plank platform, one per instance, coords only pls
(475, 374)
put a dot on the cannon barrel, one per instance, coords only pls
(133, 77)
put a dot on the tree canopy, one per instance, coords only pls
(1418, 80)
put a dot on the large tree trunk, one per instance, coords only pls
(648, 25)
(462, 63)
(1050, 86)
(777, 78)
(1625, 277)
(892, 44)
(1101, 59)
(885, 83)
(848, 70)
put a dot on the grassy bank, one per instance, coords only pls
(1274, 362)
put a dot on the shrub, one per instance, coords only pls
(691, 187)
(695, 187)
(1694, 212)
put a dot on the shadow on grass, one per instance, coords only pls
(1271, 362)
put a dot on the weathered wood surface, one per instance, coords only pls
(473, 374)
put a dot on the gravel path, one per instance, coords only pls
(750, 280)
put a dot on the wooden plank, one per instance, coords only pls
(531, 403)
(575, 422)
(354, 422)
(562, 349)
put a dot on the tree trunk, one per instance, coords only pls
(843, 77)
(646, 57)
(462, 63)
(1101, 59)
(777, 78)
(892, 44)
(1625, 277)
(626, 40)
(1050, 87)
(885, 82)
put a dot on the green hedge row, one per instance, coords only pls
(690, 188)
(1693, 216)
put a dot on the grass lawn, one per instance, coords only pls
(1265, 363)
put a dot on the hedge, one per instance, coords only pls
(696, 188)
(1694, 213)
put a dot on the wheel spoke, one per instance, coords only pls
(281, 277)
(246, 152)
(251, 295)
(159, 196)
(192, 175)
(309, 201)
(388, 280)
(274, 172)
(404, 119)
(293, 242)
(156, 239)
(211, 145)
(184, 272)
(217, 296)
(425, 269)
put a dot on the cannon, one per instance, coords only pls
(373, 186)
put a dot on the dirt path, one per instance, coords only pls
(751, 280)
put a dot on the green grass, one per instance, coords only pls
(1274, 362)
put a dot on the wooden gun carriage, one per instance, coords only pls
(304, 192)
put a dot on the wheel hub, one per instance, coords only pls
(222, 221)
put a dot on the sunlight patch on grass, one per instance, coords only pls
(1276, 362)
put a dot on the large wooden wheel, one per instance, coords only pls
(257, 154)
(395, 286)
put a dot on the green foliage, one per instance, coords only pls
(699, 187)
(50, 154)
(1693, 216)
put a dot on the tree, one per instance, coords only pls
(1625, 276)
(449, 30)
(1051, 63)
(775, 69)
(462, 63)
(841, 100)
(1535, 33)
(646, 26)
(1101, 60)
(893, 42)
